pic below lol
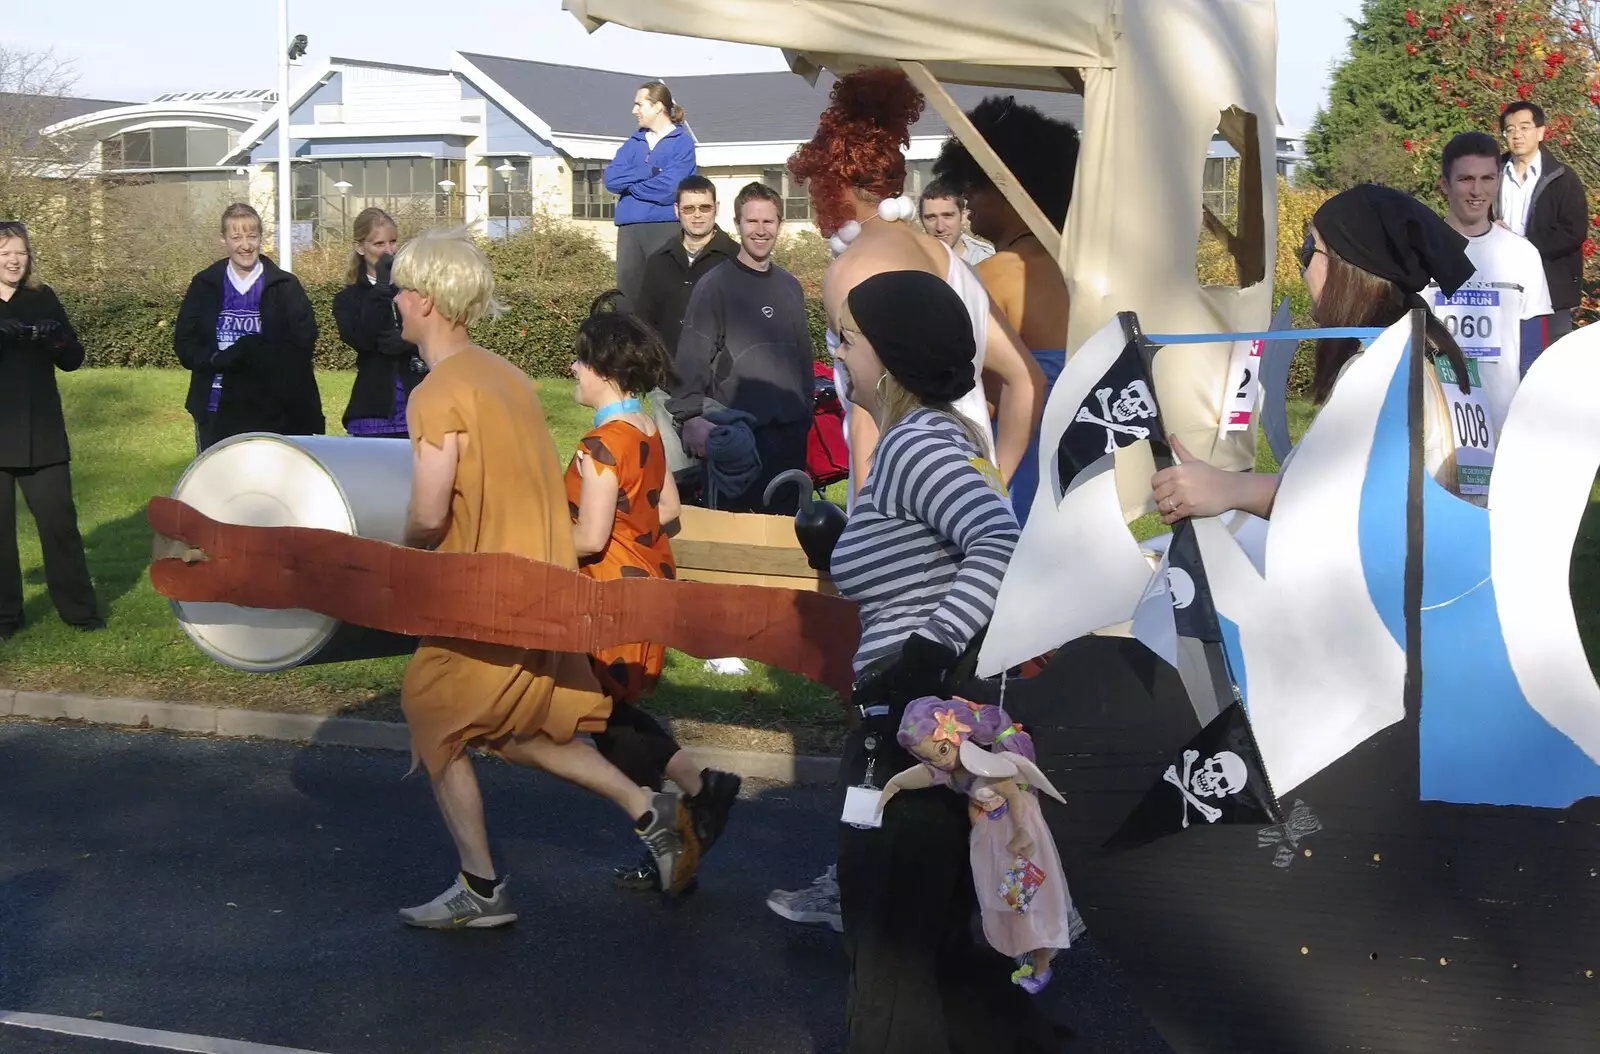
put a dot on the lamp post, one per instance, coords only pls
(285, 188)
(506, 170)
(344, 206)
(447, 185)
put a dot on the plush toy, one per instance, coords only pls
(1022, 892)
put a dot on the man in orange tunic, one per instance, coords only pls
(485, 478)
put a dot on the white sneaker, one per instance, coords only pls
(816, 905)
(460, 908)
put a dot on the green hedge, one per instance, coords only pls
(133, 327)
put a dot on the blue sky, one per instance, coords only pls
(134, 52)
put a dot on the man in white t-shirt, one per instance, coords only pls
(1502, 311)
(944, 215)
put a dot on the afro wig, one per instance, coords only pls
(1041, 152)
(858, 145)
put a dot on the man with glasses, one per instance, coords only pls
(669, 277)
(1543, 200)
(671, 273)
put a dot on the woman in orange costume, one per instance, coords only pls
(620, 497)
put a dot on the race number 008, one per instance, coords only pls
(1472, 427)
(1469, 327)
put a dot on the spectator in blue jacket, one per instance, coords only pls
(645, 175)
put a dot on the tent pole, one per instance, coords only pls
(984, 154)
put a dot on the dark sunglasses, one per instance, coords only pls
(1308, 249)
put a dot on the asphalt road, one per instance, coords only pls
(247, 890)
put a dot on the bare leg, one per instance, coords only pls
(683, 771)
(577, 761)
(461, 805)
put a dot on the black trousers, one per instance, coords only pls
(48, 491)
(636, 743)
(636, 243)
(922, 981)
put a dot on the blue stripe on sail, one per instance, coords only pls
(1481, 743)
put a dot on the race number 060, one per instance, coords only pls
(1469, 327)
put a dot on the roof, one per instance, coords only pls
(45, 110)
(721, 106)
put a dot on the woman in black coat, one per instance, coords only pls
(387, 368)
(36, 340)
(247, 333)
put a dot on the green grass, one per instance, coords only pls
(131, 440)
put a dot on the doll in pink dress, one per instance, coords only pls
(1022, 893)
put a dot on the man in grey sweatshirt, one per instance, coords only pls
(746, 347)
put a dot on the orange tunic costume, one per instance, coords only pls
(506, 500)
(638, 547)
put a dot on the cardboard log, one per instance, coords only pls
(496, 598)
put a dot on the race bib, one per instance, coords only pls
(1244, 388)
(1471, 427)
(1475, 319)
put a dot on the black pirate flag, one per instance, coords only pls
(1119, 411)
(1217, 778)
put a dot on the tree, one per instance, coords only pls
(1382, 95)
(1493, 52)
(41, 180)
(1418, 72)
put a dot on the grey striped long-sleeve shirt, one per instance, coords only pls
(928, 540)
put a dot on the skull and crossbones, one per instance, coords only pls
(1222, 774)
(1133, 403)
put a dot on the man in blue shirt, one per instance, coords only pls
(644, 175)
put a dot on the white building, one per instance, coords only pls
(491, 140)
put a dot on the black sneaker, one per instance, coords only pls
(710, 808)
(646, 877)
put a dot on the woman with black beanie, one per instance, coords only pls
(922, 557)
(1368, 253)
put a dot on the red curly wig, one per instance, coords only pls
(858, 145)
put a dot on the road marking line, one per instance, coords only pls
(142, 1037)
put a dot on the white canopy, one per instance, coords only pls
(1159, 78)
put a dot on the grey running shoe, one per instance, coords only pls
(816, 905)
(672, 843)
(460, 908)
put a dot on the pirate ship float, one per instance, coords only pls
(1408, 678)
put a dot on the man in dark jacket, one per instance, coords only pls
(1543, 200)
(672, 271)
(247, 333)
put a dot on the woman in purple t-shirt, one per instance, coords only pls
(247, 333)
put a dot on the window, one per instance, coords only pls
(796, 202)
(167, 148)
(590, 198)
(1219, 188)
(405, 187)
(1232, 245)
(918, 175)
(510, 197)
